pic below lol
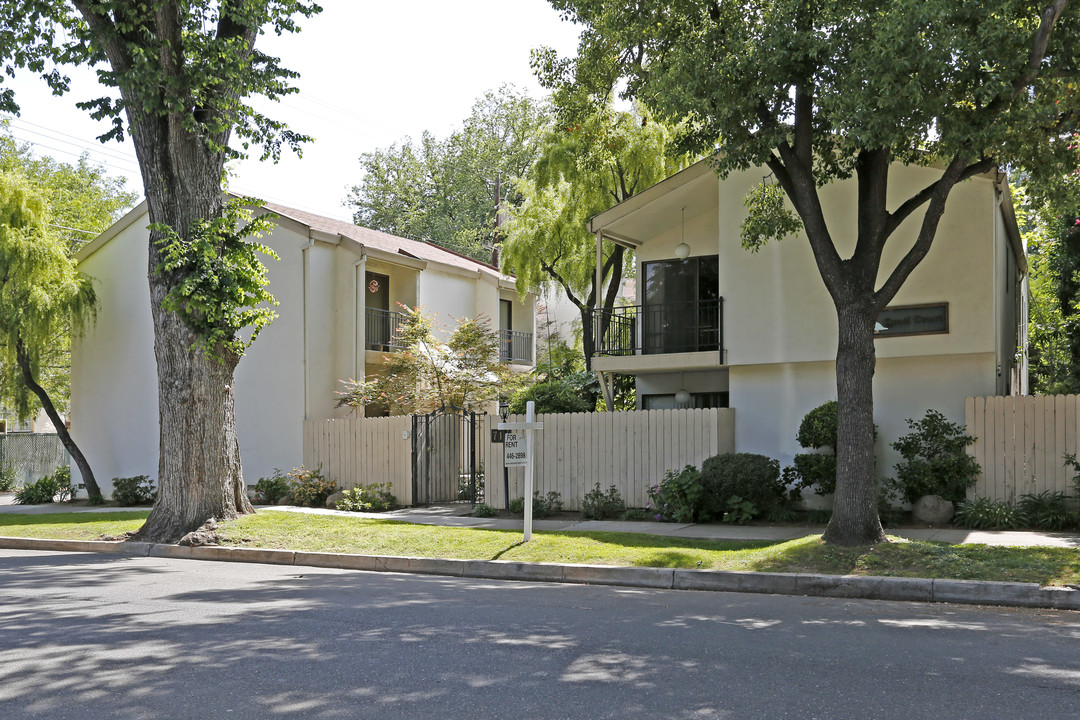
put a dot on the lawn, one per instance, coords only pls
(324, 533)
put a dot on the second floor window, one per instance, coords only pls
(681, 305)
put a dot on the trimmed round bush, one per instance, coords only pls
(733, 479)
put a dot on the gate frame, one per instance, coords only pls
(421, 487)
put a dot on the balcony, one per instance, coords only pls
(656, 329)
(515, 347)
(382, 330)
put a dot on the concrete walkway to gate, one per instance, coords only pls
(457, 515)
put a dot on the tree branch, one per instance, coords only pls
(923, 196)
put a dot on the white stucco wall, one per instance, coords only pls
(771, 400)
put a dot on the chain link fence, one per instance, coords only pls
(32, 455)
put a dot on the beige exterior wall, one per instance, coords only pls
(290, 374)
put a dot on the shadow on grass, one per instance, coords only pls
(68, 518)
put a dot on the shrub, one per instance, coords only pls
(8, 479)
(137, 490)
(1046, 510)
(598, 505)
(987, 514)
(375, 497)
(934, 460)
(551, 396)
(542, 505)
(269, 490)
(465, 489)
(51, 488)
(679, 497)
(635, 514)
(483, 510)
(814, 470)
(753, 479)
(311, 487)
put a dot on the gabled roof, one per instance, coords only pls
(385, 241)
(411, 252)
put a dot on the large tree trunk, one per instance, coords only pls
(855, 518)
(199, 471)
(92, 489)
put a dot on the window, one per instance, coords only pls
(681, 305)
(697, 400)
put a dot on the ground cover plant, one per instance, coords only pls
(51, 488)
(319, 533)
(375, 497)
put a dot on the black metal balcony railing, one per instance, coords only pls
(660, 328)
(382, 329)
(515, 347)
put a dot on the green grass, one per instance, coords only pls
(323, 533)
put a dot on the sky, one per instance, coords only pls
(371, 74)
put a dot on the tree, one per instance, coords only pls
(603, 158)
(183, 72)
(1052, 236)
(819, 92)
(464, 372)
(82, 202)
(447, 191)
(41, 295)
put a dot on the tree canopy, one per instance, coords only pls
(444, 191)
(41, 296)
(819, 92)
(601, 159)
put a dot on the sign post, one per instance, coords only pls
(517, 452)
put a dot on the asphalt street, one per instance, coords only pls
(99, 636)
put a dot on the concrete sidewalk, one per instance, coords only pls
(457, 515)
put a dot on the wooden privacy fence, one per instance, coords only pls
(574, 451)
(361, 451)
(1020, 442)
(630, 450)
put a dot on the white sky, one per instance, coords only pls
(371, 73)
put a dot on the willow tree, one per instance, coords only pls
(42, 295)
(822, 91)
(598, 159)
(183, 74)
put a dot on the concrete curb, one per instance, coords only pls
(972, 592)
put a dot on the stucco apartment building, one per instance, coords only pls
(716, 325)
(340, 289)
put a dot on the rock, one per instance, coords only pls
(932, 510)
(287, 500)
(331, 502)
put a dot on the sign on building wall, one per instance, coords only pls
(913, 320)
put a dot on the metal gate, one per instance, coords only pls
(448, 456)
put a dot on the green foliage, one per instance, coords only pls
(51, 488)
(213, 65)
(598, 505)
(934, 461)
(542, 505)
(8, 479)
(987, 514)
(137, 490)
(41, 296)
(767, 217)
(464, 372)
(1052, 235)
(751, 478)
(635, 514)
(443, 191)
(1047, 510)
(483, 510)
(679, 497)
(221, 287)
(739, 511)
(816, 471)
(550, 396)
(1071, 461)
(375, 497)
(585, 167)
(269, 490)
(310, 488)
